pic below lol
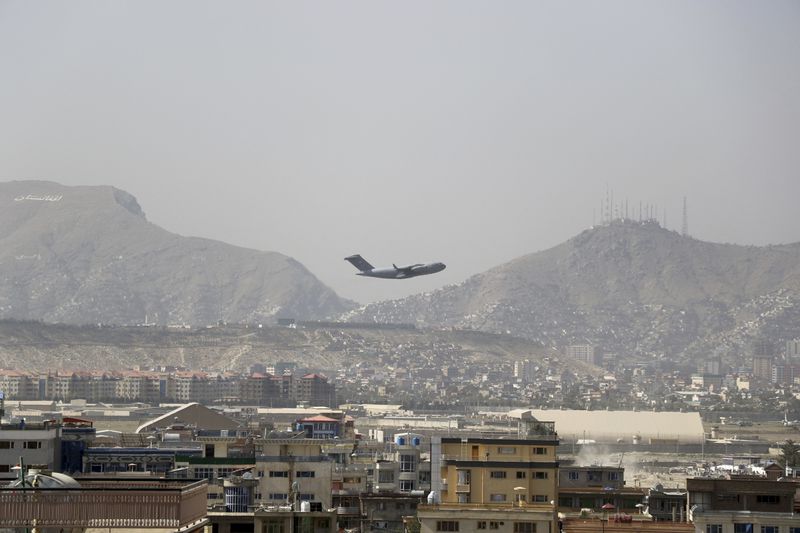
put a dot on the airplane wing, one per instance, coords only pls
(406, 269)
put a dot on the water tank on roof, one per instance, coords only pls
(433, 497)
(400, 440)
(416, 441)
(305, 506)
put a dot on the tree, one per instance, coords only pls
(790, 454)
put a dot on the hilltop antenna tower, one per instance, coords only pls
(685, 226)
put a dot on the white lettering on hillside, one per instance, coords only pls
(48, 198)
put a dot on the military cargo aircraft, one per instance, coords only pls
(395, 272)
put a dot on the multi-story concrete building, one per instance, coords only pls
(36, 444)
(203, 388)
(314, 389)
(591, 487)
(509, 485)
(404, 470)
(19, 385)
(293, 470)
(140, 386)
(742, 505)
(525, 370)
(583, 352)
(48, 501)
(262, 389)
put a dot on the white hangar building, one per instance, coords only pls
(646, 427)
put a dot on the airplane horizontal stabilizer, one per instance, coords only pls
(359, 262)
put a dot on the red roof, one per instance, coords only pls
(319, 418)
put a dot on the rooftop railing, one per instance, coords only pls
(134, 504)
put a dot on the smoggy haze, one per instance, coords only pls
(466, 132)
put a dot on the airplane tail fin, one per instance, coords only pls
(359, 262)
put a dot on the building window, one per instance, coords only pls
(613, 476)
(406, 485)
(768, 498)
(6, 445)
(540, 498)
(742, 528)
(494, 525)
(307, 497)
(540, 475)
(524, 527)
(278, 473)
(407, 463)
(462, 497)
(497, 497)
(791, 530)
(305, 473)
(204, 473)
(32, 444)
(5, 468)
(540, 451)
(713, 528)
(574, 475)
(464, 477)
(497, 474)
(273, 526)
(446, 525)
(769, 529)
(385, 476)
(482, 524)
(520, 475)
(506, 450)
(279, 496)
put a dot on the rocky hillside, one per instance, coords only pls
(633, 288)
(38, 347)
(85, 255)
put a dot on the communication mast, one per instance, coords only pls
(685, 227)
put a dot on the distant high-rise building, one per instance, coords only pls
(524, 370)
(762, 367)
(793, 349)
(582, 352)
(763, 359)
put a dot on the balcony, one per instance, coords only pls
(463, 488)
(293, 459)
(355, 511)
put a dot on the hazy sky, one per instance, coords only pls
(466, 132)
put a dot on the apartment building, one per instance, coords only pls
(742, 505)
(507, 485)
(19, 385)
(404, 470)
(591, 487)
(35, 444)
(292, 470)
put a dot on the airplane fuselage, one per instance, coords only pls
(403, 272)
(396, 272)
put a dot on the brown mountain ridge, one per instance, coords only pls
(83, 255)
(633, 288)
